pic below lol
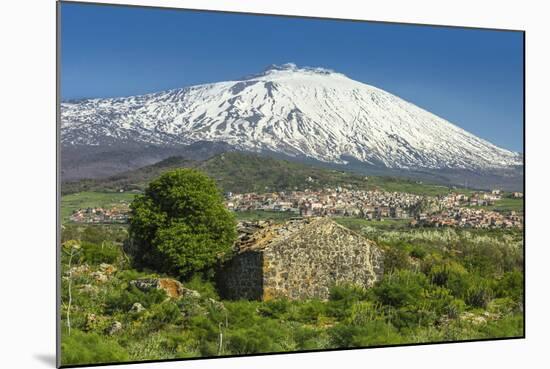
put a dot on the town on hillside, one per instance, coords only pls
(473, 210)
(118, 214)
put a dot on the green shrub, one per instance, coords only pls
(511, 285)
(395, 259)
(99, 233)
(204, 287)
(307, 311)
(347, 292)
(371, 334)
(182, 343)
(90, 348)
(104, 252)
(455, 308)
(479, 294)
(408, 318)
(451, 275)
(401, 288)
(504, 306)
(262, 336)
(150, 346)
(248, 341)
(122, 300)
(307, 338)
(342, 297)
(490, 258)
(418, 252)
(276, 308)
(205, 333)
(438, 299)
(242, 312)
(363, 312)
(165, 313)
(509, 326)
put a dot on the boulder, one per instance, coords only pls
(137, 308)
(79, 270)
(473, 318)
(88, 288)
(114, 328)
(100, 276)
(107, 269)
(91, 321)
(172, 287)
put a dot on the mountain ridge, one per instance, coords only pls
(306, 112)
(247, 172)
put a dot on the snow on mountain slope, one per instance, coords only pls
(312, 112)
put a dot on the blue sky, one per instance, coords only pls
(473, 78)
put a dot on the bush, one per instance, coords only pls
(371, 334)
(455, 308)
(347, 292)
(451, 275)
(105, 252)
(509, 326)
(275, 308)
(204, 287)
(165, 313)
(99, 233)
(307, 311)
(401, 289)
(205, 333)
(306, 338)
(491, 259)
(479, 294)
(363, 312)
(418, 253)
(122, 300)
(342, 297)
(90, 348)
(180, 225)
(260, 336)
(511, 285)
(248, 341)
(504, 306)
(395, 259)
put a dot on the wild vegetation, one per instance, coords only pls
(239, 172)
(439, 285)
(180, 225)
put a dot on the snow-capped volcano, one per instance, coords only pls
(306, 112)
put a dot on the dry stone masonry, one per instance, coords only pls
(298, 260)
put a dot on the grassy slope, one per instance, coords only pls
(72, 202)
(357, 224)
(263, 215)
(238, 172)
(504, 205)
(351, 318)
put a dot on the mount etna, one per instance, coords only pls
(313, 115)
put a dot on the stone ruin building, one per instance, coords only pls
(299, 259)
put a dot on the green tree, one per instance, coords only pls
(180, 225)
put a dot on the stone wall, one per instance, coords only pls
(242, 277)
(307, 263)
(303, 264)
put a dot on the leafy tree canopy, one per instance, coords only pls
(180, 224)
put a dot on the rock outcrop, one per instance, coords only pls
(172, 287)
